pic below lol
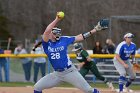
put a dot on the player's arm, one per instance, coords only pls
(133, 59)
(121, 61)
(102, 24)
(86, 55)
(133, 56)
(88, 58)
(118, 52)
(49, 29)
(83, 36)
(81, 64)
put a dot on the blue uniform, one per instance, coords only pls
(64, 70)
(57, 52)
(125, 51)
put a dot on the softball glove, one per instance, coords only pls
(102, 25)
(136, 68)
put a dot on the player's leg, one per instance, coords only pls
(96, 72)
(131, 73)
(83, 71)
(120, 68)
(76, 79)
(46, 82)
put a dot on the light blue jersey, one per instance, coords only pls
(57, 52)
(125, 50)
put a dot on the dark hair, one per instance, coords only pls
(99, 44)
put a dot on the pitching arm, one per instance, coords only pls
(49, 29)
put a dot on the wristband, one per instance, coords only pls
(86, 35)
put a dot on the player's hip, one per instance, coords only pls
(66, 71)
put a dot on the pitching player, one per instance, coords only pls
(122, 61)
(86, 64)
(55, 46)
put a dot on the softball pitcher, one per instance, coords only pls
(55, 46)
(122, 61)
(87, 64)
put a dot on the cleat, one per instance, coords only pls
(127, 90)
(96, 91)
(117, 91)
(121, 92)
(110, 85)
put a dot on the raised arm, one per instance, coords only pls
(50, 27)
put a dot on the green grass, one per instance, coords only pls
(97, 85)
(15, 84)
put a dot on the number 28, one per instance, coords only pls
(55, 55)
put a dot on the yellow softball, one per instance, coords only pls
(60, 14)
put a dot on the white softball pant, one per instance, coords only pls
(70, 75)
(123, 71)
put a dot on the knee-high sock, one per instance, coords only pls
(121, 82)
(37, 91)
(95, 90)
(128, 83)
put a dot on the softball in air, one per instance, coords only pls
(60, 14)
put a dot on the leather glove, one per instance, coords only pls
(102, 25)
(136, 68)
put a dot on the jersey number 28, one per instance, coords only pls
(55, 55)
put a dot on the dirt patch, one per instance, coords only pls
(29, 89)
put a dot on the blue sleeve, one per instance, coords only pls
(70, 40)
(44, 43)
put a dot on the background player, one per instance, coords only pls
(122, 63)
(56, 49)
(86, 64)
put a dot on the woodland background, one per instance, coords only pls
(22, 19)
